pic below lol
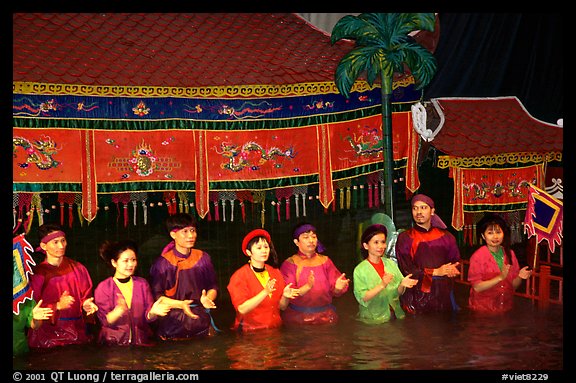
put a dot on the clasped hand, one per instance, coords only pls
(450, 269)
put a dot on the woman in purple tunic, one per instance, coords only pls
(430, 253)
(125, 301)
(64, 286)
(316, 278)
(184, 273)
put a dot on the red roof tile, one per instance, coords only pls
(475, 127)
(174, 49)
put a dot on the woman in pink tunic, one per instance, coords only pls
(316, 278)
(494, 272)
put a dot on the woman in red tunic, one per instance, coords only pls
(257, 290)
(494, 272)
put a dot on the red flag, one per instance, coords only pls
(23, 262)
(544, 216)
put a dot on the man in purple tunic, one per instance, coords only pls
(184, 273)
(430, 253)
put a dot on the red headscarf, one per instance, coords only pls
(253, 234)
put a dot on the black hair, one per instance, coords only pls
(370, 232)
(179, 221)
(110, 250)
(273, 253)
(489, 220)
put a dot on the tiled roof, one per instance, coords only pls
(475, 127)
(173, 50)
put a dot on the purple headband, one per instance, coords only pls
(435, 221)
(55, 234)
(304, 229)
(48, 237)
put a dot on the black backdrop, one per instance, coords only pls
(502, 54)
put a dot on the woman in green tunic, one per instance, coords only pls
(378, 282)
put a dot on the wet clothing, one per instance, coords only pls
(182, 277)
(483, 266)
(20, 323)
(133, 327)
(378, 309)
(244, 284)
(67, 326)
(314, 307)
(419, 252)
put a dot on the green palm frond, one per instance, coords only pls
(355, 28)
(352, 64)
(422, 64)
(409, 22)
(385, 41)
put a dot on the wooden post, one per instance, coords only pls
(544, 287)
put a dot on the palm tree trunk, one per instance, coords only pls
(387, 146)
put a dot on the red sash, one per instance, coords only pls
(418, 237)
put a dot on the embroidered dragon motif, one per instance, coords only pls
(239, 156)
(366, 144)
(39, 152)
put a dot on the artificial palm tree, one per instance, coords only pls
(384, 47)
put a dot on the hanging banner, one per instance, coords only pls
(94, 140)
(492, 189)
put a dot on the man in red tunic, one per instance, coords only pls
(64, 285)
(430, 253)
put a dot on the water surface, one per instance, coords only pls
(528, 338)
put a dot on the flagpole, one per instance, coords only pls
(534, 270)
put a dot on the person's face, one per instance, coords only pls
(126, 264)
(307, 242)
(422, 213)
(493, 235)
(55, 248)
(259, 252)
(184, 238)
(376, 246)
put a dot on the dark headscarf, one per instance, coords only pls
(435, 220)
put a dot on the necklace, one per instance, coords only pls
(257, 269)
(123, 280)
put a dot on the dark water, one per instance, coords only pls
(528, 338)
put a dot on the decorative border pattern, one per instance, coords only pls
(498, 159)
(248, 91)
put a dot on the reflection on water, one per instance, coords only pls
(528, 338)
